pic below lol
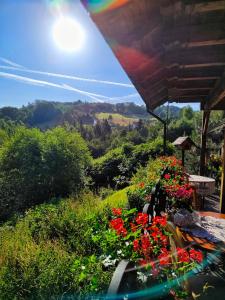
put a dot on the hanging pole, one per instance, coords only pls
(183, 157)
(164, 128)
(205, 122)
(222, 193)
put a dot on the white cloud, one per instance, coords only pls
(27, 80)
(64, 76)
(43, 83)
(11, 63)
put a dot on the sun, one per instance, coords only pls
(68, 34)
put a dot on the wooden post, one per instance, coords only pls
(183, 157)
(222, 192)
(205, 122)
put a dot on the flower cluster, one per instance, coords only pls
(147, 241)
(175, 182)
(171, 163)
(118, 225)
(151, 241)
(179, 192)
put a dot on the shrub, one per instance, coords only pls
(116, 167)
(52, 251)
(36, 166)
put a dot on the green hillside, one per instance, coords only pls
(116, 119)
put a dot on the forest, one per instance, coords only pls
(61, 171)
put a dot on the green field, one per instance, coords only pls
(117, 119)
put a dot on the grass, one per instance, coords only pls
(51, 251)
(117, 119)
(118, 199)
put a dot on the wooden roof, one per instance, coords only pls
(184, 142)
(172, 50)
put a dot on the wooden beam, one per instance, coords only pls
(203, 65)
(190, 9)
(203, 43)
(218, 93)
(191, 99)
(192, 85)
(205, 122)
(222, 192)
(198, 78)
(211, 54)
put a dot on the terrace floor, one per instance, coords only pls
(212, 203)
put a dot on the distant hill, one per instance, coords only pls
(47, 114)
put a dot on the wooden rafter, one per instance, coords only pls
(169, 49)
(218, 93)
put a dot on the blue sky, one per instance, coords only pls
(27, 46)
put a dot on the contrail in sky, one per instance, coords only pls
(32, 81)
(11, 63)
(16, 67)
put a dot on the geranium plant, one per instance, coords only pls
(148, 245)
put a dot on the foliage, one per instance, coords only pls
(52, 252)
(36, 166)
(117, 166)
(131, 236)
(174, 184)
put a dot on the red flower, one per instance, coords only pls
(164, 239)
(133, 227)
(145, 244)
(155, 236)
(196, 255)
(136, 245)
(164, 259)
(183, 255)
(143, 262)
(142, 219)
(142, 185)
(116, 223)
(160, 221)
(117, 211)
(167, 176)
(122, 231)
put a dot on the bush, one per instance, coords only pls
(116, 167)
(36, 166)
(53, 252)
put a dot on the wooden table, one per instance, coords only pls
(203, 243)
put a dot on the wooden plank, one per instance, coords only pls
(192, 84)
(198, 78)
(204, 65)
(191, 9)
(203, 43)
(189, 99)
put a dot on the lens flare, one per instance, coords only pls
(98, 6)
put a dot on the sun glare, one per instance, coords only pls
(68, 34)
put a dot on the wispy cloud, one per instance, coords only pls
(11, 63)
(64, 76)
(28, 80)
(44, 83)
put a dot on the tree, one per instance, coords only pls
(36, 166)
